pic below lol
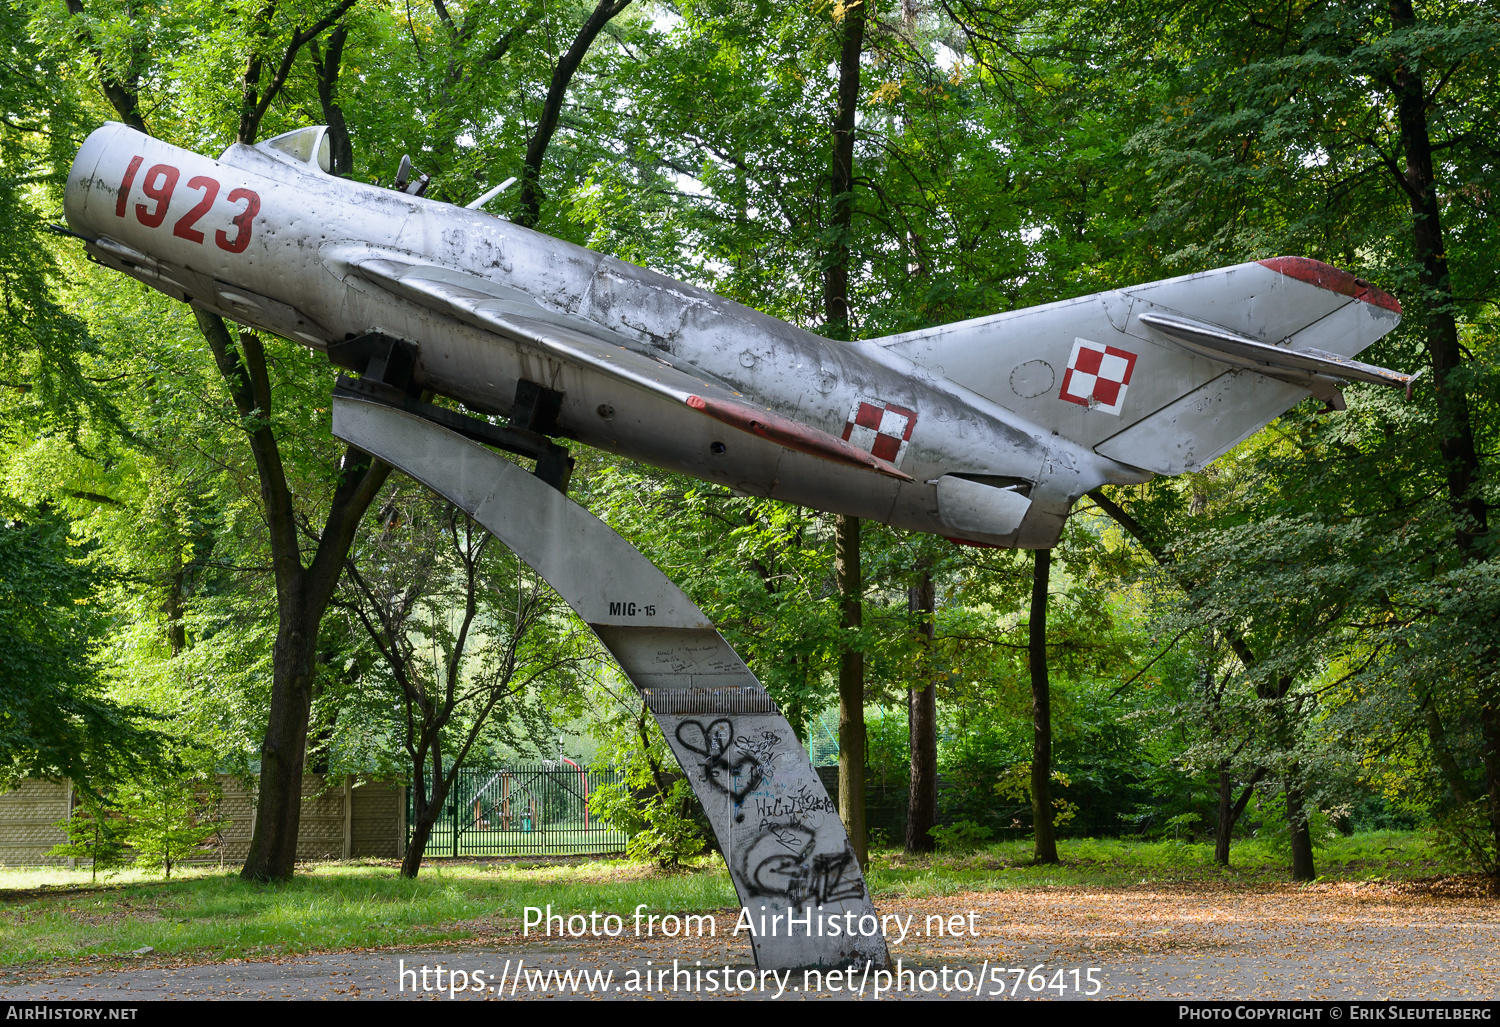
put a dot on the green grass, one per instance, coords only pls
(1122, 863)
(52, 914)
(329, 906)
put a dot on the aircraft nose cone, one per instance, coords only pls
(80, 205)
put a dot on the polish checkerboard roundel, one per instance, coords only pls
(879, 428)
(1097, 376)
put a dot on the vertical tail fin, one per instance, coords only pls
(1169, 375)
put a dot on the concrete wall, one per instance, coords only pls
(342, 818)
(27, 816)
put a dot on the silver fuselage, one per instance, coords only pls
(292, 276)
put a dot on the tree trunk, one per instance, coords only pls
(1041, 715)
(921, 699)
(326, 65)
(1301, 831)
(841, 176)
(302, 594)
(1455, 428)
(422, 820)
(421, 833)
(1224, 829)
(1442, 755)
(427, 813)
(1231, 811)
(846, 543)
(303, 600)
(278, 811)
(851, 690)
(1456, 433)
(173, 608)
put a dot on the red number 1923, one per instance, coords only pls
(159, 185)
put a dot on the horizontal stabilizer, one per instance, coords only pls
(1232, 348)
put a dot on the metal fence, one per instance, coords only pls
(540, 808)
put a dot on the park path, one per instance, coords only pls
(1334, 941)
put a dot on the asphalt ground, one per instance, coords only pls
(1330, 942)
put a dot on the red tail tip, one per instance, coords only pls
(1326, 276)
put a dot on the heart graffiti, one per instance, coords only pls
(737, 776)
(711, 741)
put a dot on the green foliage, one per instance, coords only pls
(1273, 833)
(95, 833)
(1015, 784)
(444, 640)
(1464, 836)
(54, 719)
(653, 803)
(960, 836)
(660, 826)
(887, 745)
(46, 352)
(168, 817)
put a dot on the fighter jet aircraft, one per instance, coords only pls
(986, 431)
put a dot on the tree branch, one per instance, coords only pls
(254, 106)
(562, 76)
(254, 416)
(123, 94)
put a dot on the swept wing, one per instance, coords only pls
(514, 316)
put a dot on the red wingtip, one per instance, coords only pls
(793, 435)
(1326, 276)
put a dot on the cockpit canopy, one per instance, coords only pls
(308, 146)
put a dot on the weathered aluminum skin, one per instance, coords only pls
(326, 259)
(782, 839)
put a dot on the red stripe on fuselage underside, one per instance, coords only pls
(793, 435)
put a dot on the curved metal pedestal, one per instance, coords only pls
(785, 845)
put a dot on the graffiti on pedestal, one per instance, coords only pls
(736, 774)
(781, 863)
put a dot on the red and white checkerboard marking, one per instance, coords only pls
(881, 429)
(1097, 376)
